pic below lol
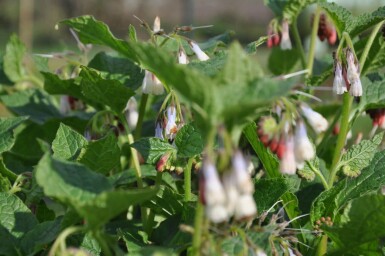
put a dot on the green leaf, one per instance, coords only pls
(376, 55)
(108, 92)
(282, 61)
(86, 242)
(360, 155)
(132, 33)
(54, 85)
(6, 131)
(42, 234)
(373, 95)
(33, 103)
(101, 155)
(67, 143)
(329, 203)
(5, 184)
(294, 7)
(365, 21)
(89, 193)
(13, 59)
(117, 68)
(167, 202)
(91, 31)
(318, 80)
(269, 191)
(15, 220)
(188, 141)
(212, 66)
(362, 221)
(152, 149)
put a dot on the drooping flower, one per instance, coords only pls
(245, 207)
(131, 113)
(171, 127)
(156, 28)
(285, 37)
(315, 119)
(159, 130)
(273, 37)
(241, 175)
(353, 75)
(151, 84)
(201, 55)
(326, 30)
(288, 164)
(339, 85)
(303, 149)
(182, 57)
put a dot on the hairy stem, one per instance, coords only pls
(319, 174)
(298, 42)
(344, 128)
(369, 43)
(103, 244)
(187, 180)
(142, 112)
(310, 60)
(198, 223)
(60, 240)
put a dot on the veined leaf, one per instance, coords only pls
(56, 86)
(152, 149)
(282, 61)
(330, 202)
(269, 191)
(373, 95)
(6, 131)
(67, 143)
(188, 141)
(13, 59)
(340, 16)
(360, 155)
(376, 55)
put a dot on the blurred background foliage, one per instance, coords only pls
(34, 20)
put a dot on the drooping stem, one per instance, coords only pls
(369, 43)
(344, 128)
(187, 180)
(142, 112)
(298, 42)
(60, 240)
(198, 224)
(319, 174)
(310, 60)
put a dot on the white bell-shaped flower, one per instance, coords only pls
(303, 149)
(339, 85)
(201, 55)
(151, 84)
(315, 119)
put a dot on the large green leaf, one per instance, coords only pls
(15, 220)
(188, 141)
(362, 221)
(269, 191)
(152, 149)
(282, 61)
(34, 103)
(117, 68)
(101, 155)
(329, 203)
(6, 131)
(288, 9)
(360, 155)
(13, 59)
(89, 193)
(104, 91)
(373, 95)
(376, 55)
(67, 143)
(54, 85)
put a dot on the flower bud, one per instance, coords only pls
(159, 130)
(241, 175)
(285, 37)
(131, 113)
(288, 163)
(156, 28)
(353, 75)
(182, 57)
(315, 119)
(303, 149)
(162, 162)
(339, 85)
(171, 127)
(201, 55)
(151, 84)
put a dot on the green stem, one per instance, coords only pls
(105, 247)
(187, 180)
(198, 223)
(369, 43)
(298, 42)
(344, 128)
(151, 215)
(142, 112)
(310, 60)
(6, 172)
(60, 240)
(319, 174)
(322, 246)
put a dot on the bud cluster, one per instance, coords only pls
(326, 30)
(347, 77)
(323, 221)
(275, 38)
(377, 116)
(228, 196)
(289, 139)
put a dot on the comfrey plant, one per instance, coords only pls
(181, 147)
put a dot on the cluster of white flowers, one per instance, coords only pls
(167, 127)
(231, 197)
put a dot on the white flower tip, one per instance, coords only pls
(156, 24)
(246, 207)
(201, 55)
(182, 57)
(217, 213)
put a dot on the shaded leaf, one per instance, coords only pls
(13, 59)
(67, 143)
(188, 141)
(152, 149)
(6, 131)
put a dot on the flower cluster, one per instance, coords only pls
(326, 30)
(347, 77)
(275, 38)
(69, 103)
(231, 196)
(168, 124)
(290, 141)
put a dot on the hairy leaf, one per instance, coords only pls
(7, 125)
(269, 191)
(13, 59)
(67, 143)
(373, 95)
(152, 149)
(188, 141)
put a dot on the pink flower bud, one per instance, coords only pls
(162, 162)
(288, 163)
